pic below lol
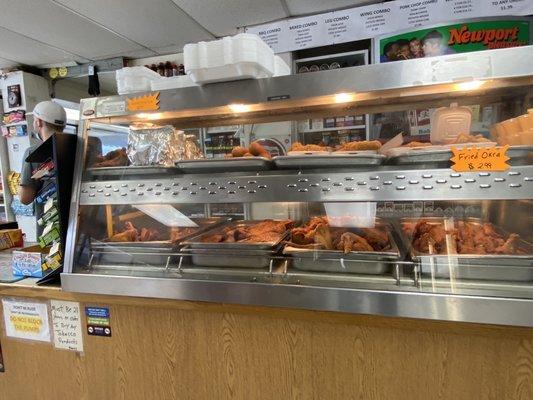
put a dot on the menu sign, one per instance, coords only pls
(379, 19)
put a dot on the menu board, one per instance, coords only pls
(379, 19)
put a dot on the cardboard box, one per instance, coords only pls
(10, 238)
(29, 262)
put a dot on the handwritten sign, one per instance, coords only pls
(26, 320)
(150, 102)
(66, 322)
(480, 159)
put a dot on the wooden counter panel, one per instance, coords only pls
(184, 350)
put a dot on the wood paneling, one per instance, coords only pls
(182, 350)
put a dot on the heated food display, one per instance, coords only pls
(460, 237)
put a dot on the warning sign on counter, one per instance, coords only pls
(26, 320)
(98, 321)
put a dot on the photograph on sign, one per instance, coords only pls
(66, 322)
(26, 320)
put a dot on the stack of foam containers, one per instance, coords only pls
(135, 79)
(243, 56)
(172, 82)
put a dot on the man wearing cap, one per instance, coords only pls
(48, 118)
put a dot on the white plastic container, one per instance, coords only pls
(280, 67)
(243, 56)
(172, 82)
(135, 79)
(447, 123)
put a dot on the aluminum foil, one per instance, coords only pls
(160, 145)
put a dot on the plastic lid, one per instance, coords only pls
(447, 123)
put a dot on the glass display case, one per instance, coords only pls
(371, 227)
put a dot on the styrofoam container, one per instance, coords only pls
(135, 79)
(172, 82)
(447, 123)
(243, 56)
(280, 67)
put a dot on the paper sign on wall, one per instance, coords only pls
(66, 322)
(26, 320)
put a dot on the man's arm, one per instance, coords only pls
(28, 187)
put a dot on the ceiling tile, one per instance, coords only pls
(154, 23)
(301, 7)
(223, 17)
(31, 52)
(50, 23)
(7, 63)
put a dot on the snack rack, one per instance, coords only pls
(395, 286)
(58, 152)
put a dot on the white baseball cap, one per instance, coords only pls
(50, 112)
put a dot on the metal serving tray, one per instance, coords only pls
(204, 225)
(518, 156)
(498, 267)
(215, 165)
(329, 160)
(159, 256)
(196, 242)
(132, 170)
(355, 262)
(232, 258)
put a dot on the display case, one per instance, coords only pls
(386, 232)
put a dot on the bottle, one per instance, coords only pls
(174, 69)
(161, 69)
(181, 69)
(168, 69)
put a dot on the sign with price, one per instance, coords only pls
(480, 159)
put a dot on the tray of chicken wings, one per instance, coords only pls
(147, 244)
(320, 246)
(467, 249)
(239, 244)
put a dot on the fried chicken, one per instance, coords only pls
(262, 232)
(467, 237)
(318, 234)
(132, 234)
(349, 241)
(115, 158)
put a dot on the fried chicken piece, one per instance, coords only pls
(361, 145)
(128, 235)
(377, 238)
(510, 245)
(115, 158)
(349, 241)
(148, 235)
(430, 238)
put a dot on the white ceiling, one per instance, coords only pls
(43, 32)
